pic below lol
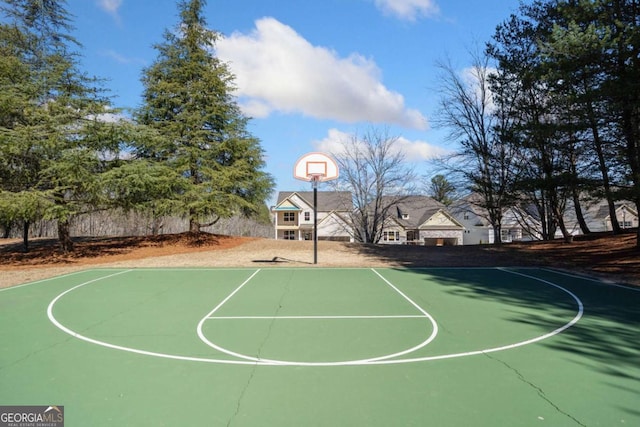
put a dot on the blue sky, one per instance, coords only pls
(309, 73)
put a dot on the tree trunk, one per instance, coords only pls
(156, 226)
(579, 214)
(194, 226)
(64, 236)
(497, 234)
(7, 229)
(568, 238)
(598, 146)
(25, 235)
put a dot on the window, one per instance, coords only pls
(307, 216)
(391, 236)
(289, 217)
(289, 235)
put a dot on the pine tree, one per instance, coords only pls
(441, 190)
(188, 99)
(19, 165)
(53, 148)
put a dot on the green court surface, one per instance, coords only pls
(324, 347)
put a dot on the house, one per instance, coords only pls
(420, 220)
(597, 216)
(516, 225)
(294, 219)
(520, 224)
(477, 229)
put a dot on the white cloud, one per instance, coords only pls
(110, 6)
(414, 151)
(109, 116)
(122, 59)
(476, 80)
(278, 70)
(333, 143)
(408, 10)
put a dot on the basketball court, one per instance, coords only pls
(315, 346)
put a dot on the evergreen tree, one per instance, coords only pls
(53, 146)
(538, 114)
(188, 100)
(595, 51)
(441, 190)
(19, 164)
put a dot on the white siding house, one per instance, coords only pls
(516, 225)
(293, 215)
(420, 220)
(520, 225)
(598, 218)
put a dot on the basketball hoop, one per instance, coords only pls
(315, 168)
(315, 178)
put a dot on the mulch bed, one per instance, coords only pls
(97, 250)
(615, 257)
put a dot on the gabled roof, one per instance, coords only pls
(602, 211)
(472, 204)
(327, 200)
(414, 211)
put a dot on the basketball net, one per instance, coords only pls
(315, 178)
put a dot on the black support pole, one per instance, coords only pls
(315, 221)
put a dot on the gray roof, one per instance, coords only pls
(327, 200)
(601, 211)
(418, 209)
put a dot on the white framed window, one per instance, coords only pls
(289, 235)
(391, 236)
(289, 217)
(307, 216)
(505, 235)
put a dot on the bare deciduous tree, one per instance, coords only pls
(485, 161)
(372, 166)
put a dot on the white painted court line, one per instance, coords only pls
(263, 362)
(23, 285)
(434, 324)
(122, 348)
(417, 316)
(55, 300)
(557, 331)
(205, 340)
(425, 315)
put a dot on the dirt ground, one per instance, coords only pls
(614, 258)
